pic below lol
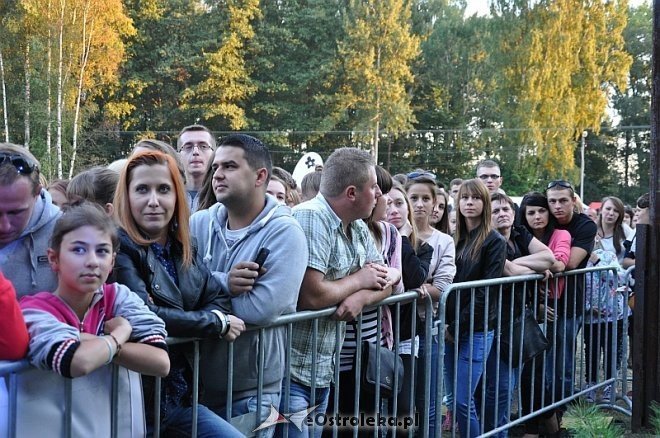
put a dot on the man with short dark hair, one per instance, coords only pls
(570, 307)
(27, 218)
(342, 270)
(231, 234)
(195, 145)
(489, 172)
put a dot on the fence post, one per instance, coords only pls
(646, 338)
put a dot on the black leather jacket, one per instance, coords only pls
(489, 264)
(186, 309)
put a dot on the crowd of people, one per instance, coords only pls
(208, 238)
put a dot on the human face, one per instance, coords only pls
(609, 213)
(380, 210)
(471, 206)
(561, 204)
(234, 181)
(196, 151)
(502, 215)
(58, 197)
(627, 219)
(83, 261)
(152, 200)
(438, 210)
(397, 209)
(18, 201)
(452, 222)
(490, 176)
(421, 201)
(276, 189)
(366, 196)
(537, 218)
(454, 190)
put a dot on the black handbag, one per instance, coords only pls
(370, 352)
(528, 332)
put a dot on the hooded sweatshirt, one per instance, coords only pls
(274, 293)
(24, 262)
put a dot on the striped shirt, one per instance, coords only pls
(336, 255)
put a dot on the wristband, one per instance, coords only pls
(111, 354)
(118, 350)
(224, 321)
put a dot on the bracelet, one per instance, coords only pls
(118, 350)
(224, 320)
(111, 354)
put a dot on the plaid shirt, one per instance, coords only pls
(336, 255)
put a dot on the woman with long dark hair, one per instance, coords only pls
(470, 314)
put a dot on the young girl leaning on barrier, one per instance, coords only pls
(470, 313)
(85, 325)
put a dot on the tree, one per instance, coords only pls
(228, 81)
(374, 69)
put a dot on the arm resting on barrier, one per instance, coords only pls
(144, 359)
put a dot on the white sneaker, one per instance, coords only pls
(607, 394)
(590, 397)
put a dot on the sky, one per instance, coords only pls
(480, 7)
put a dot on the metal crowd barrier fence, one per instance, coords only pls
(507, 392)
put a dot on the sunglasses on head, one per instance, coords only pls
(22, 164)
(423, 174)
(560, 183)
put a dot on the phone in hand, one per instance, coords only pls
(260, 259)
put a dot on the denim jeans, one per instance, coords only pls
(178, 423)
(300, 398)
(500, 384)
(248, 405)
(466, 382)
(421, 384)
(560, 360)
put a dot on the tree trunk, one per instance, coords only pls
(26, 65)
(49, 101)
(84, 57)
(4, 98)
(60, 91)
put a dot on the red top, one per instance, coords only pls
(13, 333)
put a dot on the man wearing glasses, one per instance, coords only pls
(196, 145)
(570, 307)
(27, 218)
(488, 171)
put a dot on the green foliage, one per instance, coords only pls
(585, 420)
(655, 417)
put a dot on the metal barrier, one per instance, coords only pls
(543, 392)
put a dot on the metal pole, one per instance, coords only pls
(646, 343)
(583, 144)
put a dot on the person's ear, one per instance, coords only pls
(351, 192)
(109, 209)
(262, 177)
(53, 260)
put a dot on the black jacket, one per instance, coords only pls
(487, 265)
(186, 308)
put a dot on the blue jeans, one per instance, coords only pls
(300, 398)
(499, 392)
(421, 384)
(248, 405)
(466, 382)
(560, 359)
(178, 422)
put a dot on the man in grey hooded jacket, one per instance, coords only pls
(27, 218)
(230, 235)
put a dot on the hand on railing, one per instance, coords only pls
(236, 327)
(350, 308)
(120, 328)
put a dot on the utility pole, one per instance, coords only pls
(583, 144)
(646, 337)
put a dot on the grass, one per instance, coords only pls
(585, 420)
